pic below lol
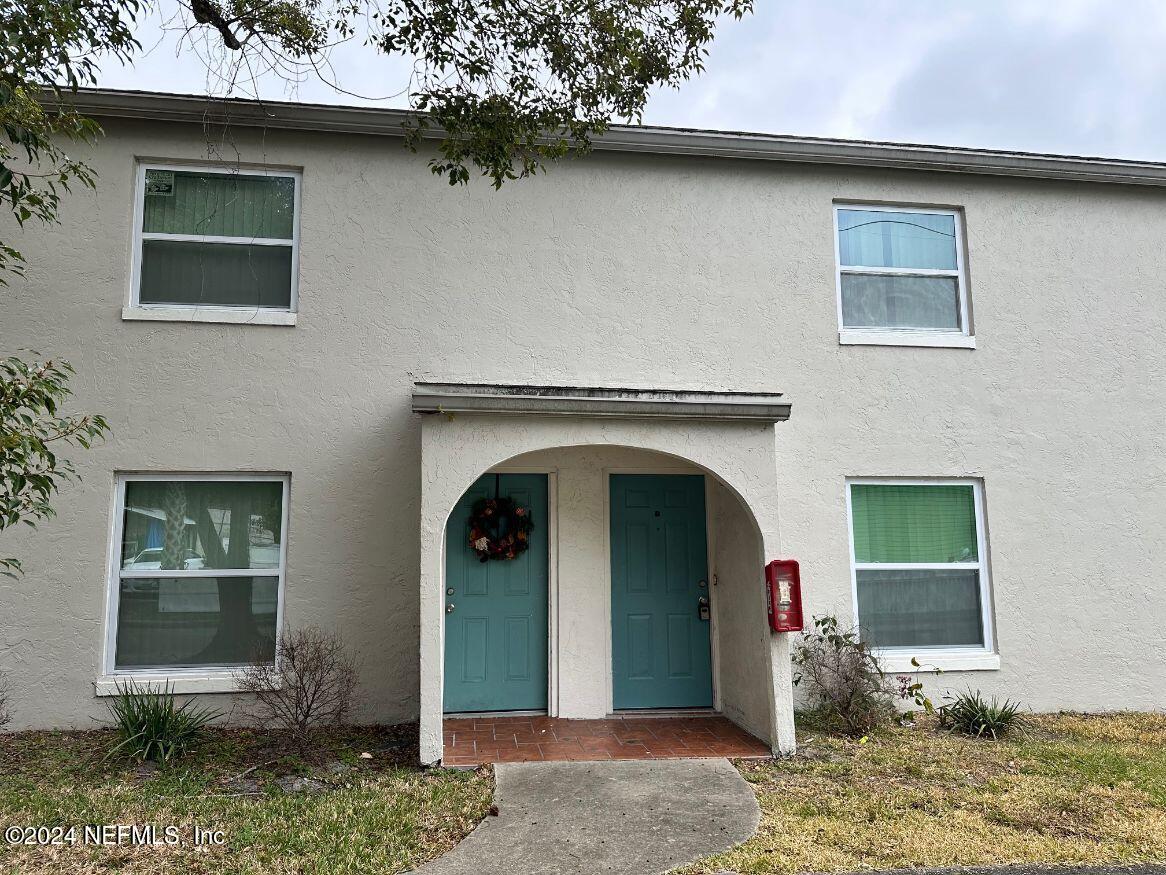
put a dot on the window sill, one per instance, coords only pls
(905, 338)
(155, 682)
(899, 662)
(226, 315)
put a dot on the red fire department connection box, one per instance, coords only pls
(783, 590)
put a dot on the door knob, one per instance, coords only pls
(702, 608)
(449, 608)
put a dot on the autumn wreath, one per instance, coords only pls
(499, 529)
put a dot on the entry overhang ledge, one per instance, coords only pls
(451, 398)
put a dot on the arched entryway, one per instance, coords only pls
(626, 498)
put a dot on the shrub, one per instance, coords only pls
(152, 727)
(5, 705)
(311, 683)
(849, 691)
(971, 714)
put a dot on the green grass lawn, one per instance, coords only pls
(380, 815)
(1078, 789)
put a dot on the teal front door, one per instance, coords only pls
(496, 612)
(659, 578)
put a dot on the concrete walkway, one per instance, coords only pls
(1024, 869)
(616, 818)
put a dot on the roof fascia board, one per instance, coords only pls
(377, 121)
(447, 398)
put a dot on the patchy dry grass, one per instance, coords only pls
(359, 816)
(1078, 789)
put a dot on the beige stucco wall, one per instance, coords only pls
(618, 270)
(743, 635)
(456, 450)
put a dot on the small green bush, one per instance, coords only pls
(152, 727)
(972, 714)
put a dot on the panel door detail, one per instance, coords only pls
(496, 612)
(660, 648)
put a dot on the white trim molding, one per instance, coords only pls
(193, 679)
(859, 337)
(135, 310)
(890, 336)
(899, 661)
(222, 315)
(177, 682)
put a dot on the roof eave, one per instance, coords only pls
(376, 121)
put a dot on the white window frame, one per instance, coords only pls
(256, 315)
(962, 338)
(200, 679)
(957, 658)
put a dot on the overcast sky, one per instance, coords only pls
(1085, 77)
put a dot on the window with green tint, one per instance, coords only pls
(219, 204)
(900, 270)
(200, 566)
(217, 238)
(919, 572)
(913, 523)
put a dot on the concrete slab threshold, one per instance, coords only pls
(615, 818)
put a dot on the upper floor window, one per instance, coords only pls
(216, 238)
(901, 277)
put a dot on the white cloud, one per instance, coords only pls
(1078, 76)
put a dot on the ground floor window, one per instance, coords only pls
(919, 564)
(198, 570)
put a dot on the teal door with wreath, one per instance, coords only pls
(496, 611)
(660, 649)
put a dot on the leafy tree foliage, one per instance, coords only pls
(503, 85)
(506, 85)
(31, 425)
(55, 46)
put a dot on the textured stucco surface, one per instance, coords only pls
(457, 449)
(618, 270)
(742, 623)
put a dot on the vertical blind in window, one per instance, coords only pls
(217, 239)
(899, 270)
(913, 523)
(899, 528)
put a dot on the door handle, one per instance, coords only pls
(449, 608)
(702, 608)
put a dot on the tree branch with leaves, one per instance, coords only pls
(505, 86)
(54, 47)
(32, 428)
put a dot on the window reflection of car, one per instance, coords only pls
(151, 560)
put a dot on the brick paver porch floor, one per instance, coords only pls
(471, 741)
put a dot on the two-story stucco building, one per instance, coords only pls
(933, 376)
